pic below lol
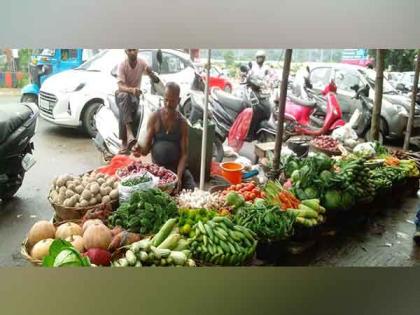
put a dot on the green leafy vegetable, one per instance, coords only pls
(63, 254)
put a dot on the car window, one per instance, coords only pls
(146, 56)
(171, 64)
(345, 80)
(320, 77)
(104, 61)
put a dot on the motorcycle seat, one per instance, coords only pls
(299, 101)
(232, 102)
(12, 116)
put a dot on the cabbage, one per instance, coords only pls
(332, 200)
(311, 193)
(347, 200)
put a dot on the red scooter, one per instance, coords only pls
(298, 112)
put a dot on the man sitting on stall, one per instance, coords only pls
(167, 138)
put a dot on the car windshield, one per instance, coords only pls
(370, 76)
(104, 61)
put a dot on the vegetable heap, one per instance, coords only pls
(83, 191)
(326, 143)
(199, 199)
(145, 212)
(276, 195)
(134, 181)
(164, 249)
(269, 223)
(220, 242)
(309, 213)
(248, 190)
(165, 176)
(189, 217)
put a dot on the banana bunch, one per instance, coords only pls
(220, 242)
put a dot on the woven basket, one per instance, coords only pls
(25, 249)
(73, 213)
(327, 152)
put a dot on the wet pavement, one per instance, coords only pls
(383, 240)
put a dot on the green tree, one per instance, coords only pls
(229, 57)
(398, 59)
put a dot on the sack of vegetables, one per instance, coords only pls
(137, 182)
(72, 196)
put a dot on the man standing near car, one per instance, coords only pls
(130, 73)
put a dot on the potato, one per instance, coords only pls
(98, 197)
(103, 191)
(93, 201)
(94, 188)
(106, 199)
(69, 193)
(67, 203)
(100, 175)
(53, 194)
(110, 181)
(61, 181)
(77, 205)
(115, 186)
(79, 189)
(113, 194)
(76, 197)
(62, 189)
(100, 180)
(86, 194)
(61, 198)
(54, 183)
(84, 203)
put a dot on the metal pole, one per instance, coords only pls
(377, 105)
(413, 103)
(282, 106)
(205, 124)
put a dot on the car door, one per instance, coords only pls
(173, 68)
(345, 79)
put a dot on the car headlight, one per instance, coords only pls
(401, 110)
(73, 88)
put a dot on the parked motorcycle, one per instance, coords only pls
(17, 127)
(224, 109)
(107, 139)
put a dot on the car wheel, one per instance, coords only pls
(29, 98)
(186, 109)
(88, 119)
(228, 89)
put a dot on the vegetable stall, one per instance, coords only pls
(126, 215)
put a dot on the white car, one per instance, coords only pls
(71, 98)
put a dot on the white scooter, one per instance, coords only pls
(107, 138)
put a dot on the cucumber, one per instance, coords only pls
(205, 242)
(220, 236)
(131, 258)
(232, 248)
(201, 227)
(170, 242)
(224, 247)
(163, 233)
(208, 230)
(222, 231)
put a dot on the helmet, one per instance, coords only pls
(260, 53)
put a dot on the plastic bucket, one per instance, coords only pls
(232, 171)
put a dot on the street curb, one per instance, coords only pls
(9, 92)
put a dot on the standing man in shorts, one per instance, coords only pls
(130, 73)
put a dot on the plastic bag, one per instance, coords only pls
(125, 192)
(366, 149)
(344, 133)
(240, 128)
(117, 162)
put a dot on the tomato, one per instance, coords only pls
(251, 185)
(262, 194)
(255, 191)
(238, 187)
(252, 196)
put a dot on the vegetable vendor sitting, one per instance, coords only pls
(167, 138)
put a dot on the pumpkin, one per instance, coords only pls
(97, 236)
(77, 242)
(41, 249)
(90, 222)
(41, 230)
(68, 229)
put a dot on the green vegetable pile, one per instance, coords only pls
(189, 217)
(145, 212)
(269, 223)
(63, 254)
(220, 242)
(384, 177)
(136, 180)
(166, 248)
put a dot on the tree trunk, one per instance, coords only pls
(377, 105)
(282, 105)
(413, 103)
